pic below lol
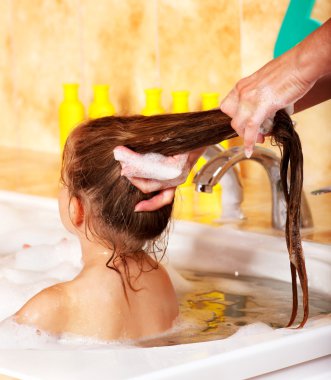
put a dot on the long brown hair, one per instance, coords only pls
(92, 172)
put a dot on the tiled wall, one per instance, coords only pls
(198, 45)
(129, 44)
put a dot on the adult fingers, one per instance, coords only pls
(153, 166)
(179, 159)
(260, 138)
(131, 162)
(249, 119)
(147, 185)
(230, 104)
(122, 153)
(250, 137)
(160, 200)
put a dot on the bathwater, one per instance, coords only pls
(219, 304)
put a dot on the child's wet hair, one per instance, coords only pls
(92, 174)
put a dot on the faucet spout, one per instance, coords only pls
(216, 168)
(232, 190)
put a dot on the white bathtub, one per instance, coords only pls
(282, 353)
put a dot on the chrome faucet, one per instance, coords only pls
(232, 193)
(217, 167)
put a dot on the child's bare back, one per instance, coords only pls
(94, 304)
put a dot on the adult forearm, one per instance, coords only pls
(319, 93)
(313, 54)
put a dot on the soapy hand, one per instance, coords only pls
(155, 172)
(254, 100)
(165, 171)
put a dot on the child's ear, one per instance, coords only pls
(76, 212)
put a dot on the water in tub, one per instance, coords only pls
(36, 252)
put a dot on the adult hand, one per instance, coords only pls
(254, 100)
(155, 172)
(279, 84)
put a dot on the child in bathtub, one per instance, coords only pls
(122, 291)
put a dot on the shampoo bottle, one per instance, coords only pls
(184, 199)
(101, 106)
(180, 101)
(211, 100)
(71, 111)
(153, 102)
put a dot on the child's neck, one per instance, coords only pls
(94, 252)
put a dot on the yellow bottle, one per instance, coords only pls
(180, 105)
(153, 102)
(211, 100)
(180, 101)
(101, 106)
(208, 205)
(184, 208)
(71, 111)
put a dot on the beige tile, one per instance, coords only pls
(321, 10)
(199, 47)
(114, 42)
(118, 50)
(46, 55)
(29, 172)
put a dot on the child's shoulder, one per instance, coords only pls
(45, 311)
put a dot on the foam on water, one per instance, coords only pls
(26, 272)
(16, 336)
(13, 335)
